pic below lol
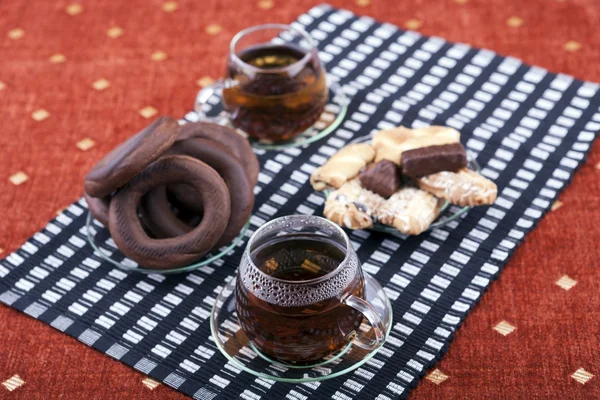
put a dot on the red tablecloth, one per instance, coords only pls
(92, 66)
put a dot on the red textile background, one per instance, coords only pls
(557, 331)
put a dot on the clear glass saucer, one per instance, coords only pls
(117, 258)
(448, 212)
(330, 119)
(235, 345)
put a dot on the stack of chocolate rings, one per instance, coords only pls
(170, 194)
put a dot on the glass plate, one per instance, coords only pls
(333, 115)
(448, 212)
(129, 265)
(234, 344)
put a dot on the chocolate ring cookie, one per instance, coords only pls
(160, 203)
(184, 198)
(153, 230)
(98, 208)
(232, 171)
(126, 229)
(227, 138)
(164, 201)
(131, 157)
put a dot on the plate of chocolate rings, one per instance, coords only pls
(447, 211)
(160, 202)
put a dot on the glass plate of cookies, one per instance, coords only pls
(402, 181)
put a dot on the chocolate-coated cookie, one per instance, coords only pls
(153, 230)
(98, 208)
(183, 197)
(128, 233)
(227, 138)
(382, 178)
(232, 172)
(162, 202)
(158, 201)
(129, 158)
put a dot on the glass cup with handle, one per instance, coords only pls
(299, 292)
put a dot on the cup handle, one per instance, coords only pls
(368, 311)
(207, 92)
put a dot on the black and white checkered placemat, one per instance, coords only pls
(530, 130)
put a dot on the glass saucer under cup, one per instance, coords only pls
(129, 265)
(234, 344)
(448, 212)
(330, 119)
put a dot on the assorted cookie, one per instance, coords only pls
(409, 210)
(344, 165)
(463, 188)
(171, 194)
(391, 143)
(401, 179)
(352, 205)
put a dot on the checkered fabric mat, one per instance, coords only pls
(528, 128)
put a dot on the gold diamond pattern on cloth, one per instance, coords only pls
(40, 115)
(18, 178)
(114, 32)
(504, 328)
(170, 6)
(566, 283)
(57, 58)
(436, 376)
(572, 46)
(582, 376)
(13, 383)
(265, 4)
(74, 9)
(101, 84)
(150, 383)
(413, 24)
(16, 33)
(85, 144)
(213, 29)
(514, 22)
(148, 112)
(158, 56)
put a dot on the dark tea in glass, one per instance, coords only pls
(278, 102)
(275, 88)
(299, 291)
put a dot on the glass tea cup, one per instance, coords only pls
(299, 292)
(273, 89)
